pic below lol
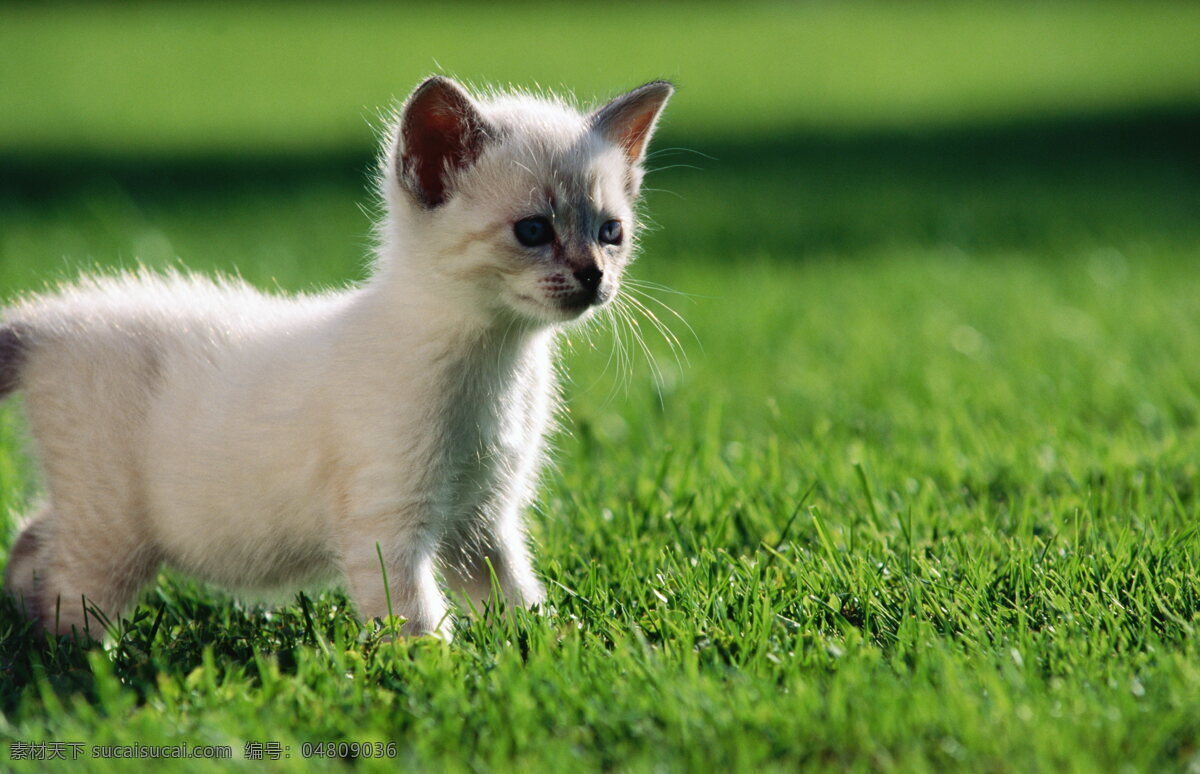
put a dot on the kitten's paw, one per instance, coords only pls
(530, 595)
(393, 627)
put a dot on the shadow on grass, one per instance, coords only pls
(1041, 184)
(168, 632)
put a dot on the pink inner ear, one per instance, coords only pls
(633, 134)
(628, 120)
(442, 132)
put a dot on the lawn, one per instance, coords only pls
(911, 483)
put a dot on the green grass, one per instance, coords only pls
(921, 492)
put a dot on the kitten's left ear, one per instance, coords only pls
(628, 121)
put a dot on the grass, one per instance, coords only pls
(921, 492)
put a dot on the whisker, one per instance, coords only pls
(659, 380)
(662, 288)
(677, 149)
(607, 319)
(665, 191)
(623, 313)
(631, 328)
(670, 309)
(673, 166)
(619, 348)
(668, 335)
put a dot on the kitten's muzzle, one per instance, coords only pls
(589, 278)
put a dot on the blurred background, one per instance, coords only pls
(835, 127)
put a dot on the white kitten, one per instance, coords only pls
(262, 442)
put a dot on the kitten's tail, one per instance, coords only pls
(12, 356)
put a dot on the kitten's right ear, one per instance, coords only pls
(441, 133)
(628, 121)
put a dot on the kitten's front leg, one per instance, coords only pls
(411, 590)
(500, 547)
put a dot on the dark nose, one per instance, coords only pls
(589, 277)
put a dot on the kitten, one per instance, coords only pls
(262, 442)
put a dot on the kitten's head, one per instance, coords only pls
(518, 205)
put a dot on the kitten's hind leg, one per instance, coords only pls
(471, 559)
(20, 575)
(72, 575)
(411, 589)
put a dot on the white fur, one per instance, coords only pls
(263, 442)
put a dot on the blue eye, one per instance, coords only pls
(533, 232)
(610, 233)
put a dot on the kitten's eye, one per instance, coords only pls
(610, 233)
(533, 232)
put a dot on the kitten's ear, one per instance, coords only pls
(628, 121)
(441, 133)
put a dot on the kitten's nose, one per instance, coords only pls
(589, 277)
